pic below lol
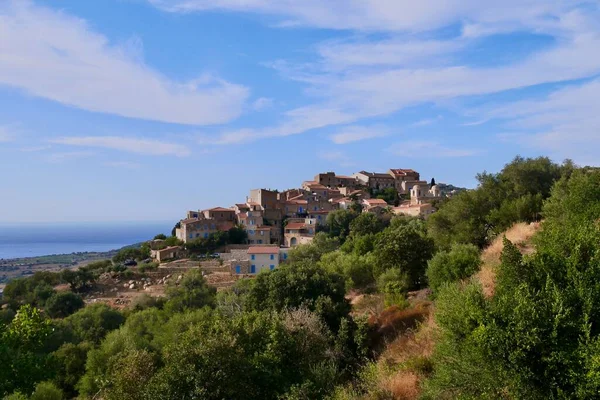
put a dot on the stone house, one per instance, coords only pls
(414, 210)
(168, 253)
(299, 231)
(375, 180)
(404, 179)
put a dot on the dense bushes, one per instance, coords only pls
(513, 195)
(538, 336)
(460, 262)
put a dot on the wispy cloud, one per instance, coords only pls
(350, 134)
(337, 157)
(56, 56)
(6, 134)
(262, 103)
(427, 121)
(123, 164)
(476, 123)
(33, 149)
(131, 145)
(429, 149)
(564, 123)
(68, 155)
(377, 15)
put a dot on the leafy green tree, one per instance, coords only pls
(70, 361)
(320, 245)
(22, 361)
(338, 223)
(93, 322)
(357, 269)
(132, 253)
(302, 284)
(160, 236)
(513, 195)
(405, 248)
(63, 304)
(365, 224)
(390, 195)
(189, 293)
(47, 391)
(237, 235)
(174, 230)
(459, 263)
(78, 280)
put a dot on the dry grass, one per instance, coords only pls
(404, 385)
(520, 234)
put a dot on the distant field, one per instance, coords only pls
(20, 267)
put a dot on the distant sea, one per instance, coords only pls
(32, 240)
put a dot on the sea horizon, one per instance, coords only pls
(41, 239)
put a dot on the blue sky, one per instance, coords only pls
(142, 109)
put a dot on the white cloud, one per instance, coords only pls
(262, 103)
(429, 149)
(56, 56)
(565, 123)
(427, 121)
(338, 157)
(350, 134)
(68, 155)
(131, 145)
(33, 149)
(6, 134)
(123, 164)
(382, 15)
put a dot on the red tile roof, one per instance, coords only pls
(295, 225)
(375, 201)
(296, 202)
(263, 250)
(242, 206)
(221, 209)
(402, 172)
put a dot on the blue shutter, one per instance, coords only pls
(253, 269)
(272, 267)
(238, 269)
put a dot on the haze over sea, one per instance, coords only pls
(31, 240)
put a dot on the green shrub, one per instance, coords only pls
(460, 262)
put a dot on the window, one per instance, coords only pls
(238, 269)
(262, 233)
(271, 267)
(191, 235)
(253, 269)
(253, 257)
(272, 256)
(250, 232)
(259, 241)
(197, 235)
(206, 236)
(285, 256)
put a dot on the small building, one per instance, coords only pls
(169, 253)
(414, 210)
(299, 231)
(263, 258)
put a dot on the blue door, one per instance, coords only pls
(272, 267)
(253, 269)
(238, 269)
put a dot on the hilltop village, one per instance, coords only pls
(276, 221)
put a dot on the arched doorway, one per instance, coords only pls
(293, 242)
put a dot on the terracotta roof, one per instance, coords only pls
(242, 206)
(220, 209)
(344, 177)
(375, 201)
(189, 220)
(263, 228)
(296, 202)
(295, 225)
(263, 250)
(402, 172)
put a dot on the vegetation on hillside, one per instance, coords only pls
(300, 331)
